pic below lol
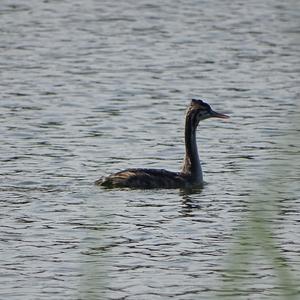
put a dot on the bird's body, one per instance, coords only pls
(146, 179)
(191, 173)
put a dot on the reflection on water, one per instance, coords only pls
(89, 88)
(188, 204)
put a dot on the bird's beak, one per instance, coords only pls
(215, 114)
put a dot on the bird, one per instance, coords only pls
(191, 173)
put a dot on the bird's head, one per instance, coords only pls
(200, 110)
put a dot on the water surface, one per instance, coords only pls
(89, 88)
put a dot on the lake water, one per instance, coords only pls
(91, 87)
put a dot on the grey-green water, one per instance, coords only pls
(91, 87)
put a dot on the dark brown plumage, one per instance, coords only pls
(191, 173)
(144, 179)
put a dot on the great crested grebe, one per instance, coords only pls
(191, 173)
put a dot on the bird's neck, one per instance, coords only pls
(191, 164)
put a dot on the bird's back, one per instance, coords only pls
(145, 179)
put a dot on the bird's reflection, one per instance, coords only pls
(189, 204)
